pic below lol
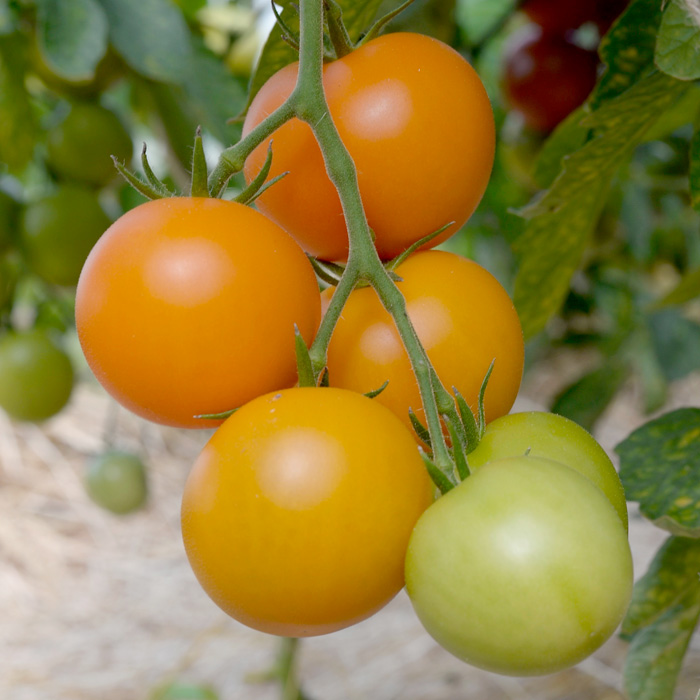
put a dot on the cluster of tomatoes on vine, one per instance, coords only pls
(45, 238)
(311, 506)
(547, 73)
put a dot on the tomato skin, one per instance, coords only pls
(523, 569)
(117, 482)
(559, 17)
(553, 437)
(81, 146)
(545, 77)
(418, 124)
(297, 514)
(36, 376)
(58, 232)
(464, 319)
(173, 318)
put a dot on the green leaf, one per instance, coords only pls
(566, 138)
(477, 18)
(563, 218)
(678, 43)
(695, 170)
(151, 36)
(676, 341)
(72, 36)
(661, 619)
(660, 469)
(8, 19)
(586, 399)
(688, 288)
(16, 116)
(628, 50)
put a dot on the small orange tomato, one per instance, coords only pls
(463, 317)
(418, 124)
(297, 514)
(186, 306)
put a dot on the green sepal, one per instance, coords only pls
(251, 191)
(305, 368)
(377, 27)
(139, 185)
(439, 479)
(468, 421)
(153, 181)
(375, 392)
(329, 272)
(290, 37)
(217, 416)
(395, 262)
(458, 439)
(482, 393)
(420, 429)
(267, 186)
(338, 33)
(200, 174)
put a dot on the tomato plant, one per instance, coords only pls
(57, 233)
(81, 145)
(552, 437)
(36, 376)
(523, 569)
(297, 514)
(418, 124)
(461, 339)
(546, 77)
(176, 317)
(117, 482)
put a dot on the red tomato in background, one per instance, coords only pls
(463, 317)
(546, 78)
(416, 120)
(187, 306)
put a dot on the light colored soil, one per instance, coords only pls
(96, 607)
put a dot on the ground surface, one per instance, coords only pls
(100, 608)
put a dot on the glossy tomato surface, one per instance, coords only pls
(545, 77)
(58, 232)
(297, 514)
(556, 17)
(418, 124)
(463, 317)
(36, 375)
(81, 147)
(554, 437)
(523, 569)
(187, 307)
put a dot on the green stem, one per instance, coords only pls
(308, 102)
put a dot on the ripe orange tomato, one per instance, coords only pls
(463, 317)
(187, 306)
(297, 514)
(417, 122)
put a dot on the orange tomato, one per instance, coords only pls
(187, 306)
(416, 120)
(297, 514)
(464, 319)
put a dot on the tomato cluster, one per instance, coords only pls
(298, 515)
(546, 75)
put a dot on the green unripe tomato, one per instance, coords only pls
(117, 482)
(81, 146)
(36, 376)
(9, 209)
(549, 435)
(523, 569)
(57, 233)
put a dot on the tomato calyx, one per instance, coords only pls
(152, 187)
(392, 264)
